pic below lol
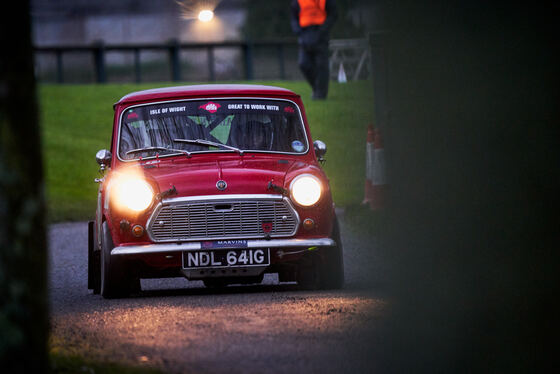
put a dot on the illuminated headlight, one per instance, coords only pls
(132, 193)
(306, 190)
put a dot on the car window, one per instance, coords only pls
(247, 124)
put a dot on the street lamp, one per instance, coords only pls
(203, 10)
(205, 15)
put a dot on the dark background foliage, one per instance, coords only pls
(271, 19)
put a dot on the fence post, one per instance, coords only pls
(281, 61)
(99, 62)
(59, 67)
(174, 60)
(137, 71)
(211, 68)
(248, 55)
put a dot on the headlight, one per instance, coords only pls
(306, 189)
(131, 192)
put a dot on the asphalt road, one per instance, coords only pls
(182, 327)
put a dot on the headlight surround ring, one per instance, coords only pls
(306, 190)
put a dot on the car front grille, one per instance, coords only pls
(222, 219)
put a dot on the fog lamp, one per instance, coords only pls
(308, 223)
(137, 231)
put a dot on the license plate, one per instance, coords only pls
(223, 258)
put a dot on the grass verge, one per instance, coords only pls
(66, 357)
(70, 364)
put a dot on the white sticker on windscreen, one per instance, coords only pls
(297, 146)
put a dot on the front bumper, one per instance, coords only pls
(195, 246)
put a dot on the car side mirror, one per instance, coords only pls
(320, 150)
(103, 158)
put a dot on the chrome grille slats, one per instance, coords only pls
(208, 219)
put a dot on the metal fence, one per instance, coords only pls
(175, 61)
(98, 62)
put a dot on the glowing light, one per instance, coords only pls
(137, 231)
(203, 10)
(205, 15)
(306, 190)
(308, 223)
(131, 192)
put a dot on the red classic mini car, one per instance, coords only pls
(219, 183)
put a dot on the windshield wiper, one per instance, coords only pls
(160, 149)
(208, 143)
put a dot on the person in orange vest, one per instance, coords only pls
(312, 21)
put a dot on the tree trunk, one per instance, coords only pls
(23, 248)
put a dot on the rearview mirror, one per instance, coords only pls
(320, 149)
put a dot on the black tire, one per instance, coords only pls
(94, 261)
(308, 274)
(332, 272)
(323, 270)
(114, 282)
(97, 277)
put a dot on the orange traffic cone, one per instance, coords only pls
(368, 189)
(378, 180)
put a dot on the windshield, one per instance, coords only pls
(184, 127)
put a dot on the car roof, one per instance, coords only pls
(204, 90)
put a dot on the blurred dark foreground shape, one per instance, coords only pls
(472, 163)
(23, 249)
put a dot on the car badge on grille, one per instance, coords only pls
(221, 185)
(266, 227)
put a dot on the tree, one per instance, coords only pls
(23, 250)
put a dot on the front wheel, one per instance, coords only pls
(333, 262)
(114, 280)
(324, 270)
(94, 261)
